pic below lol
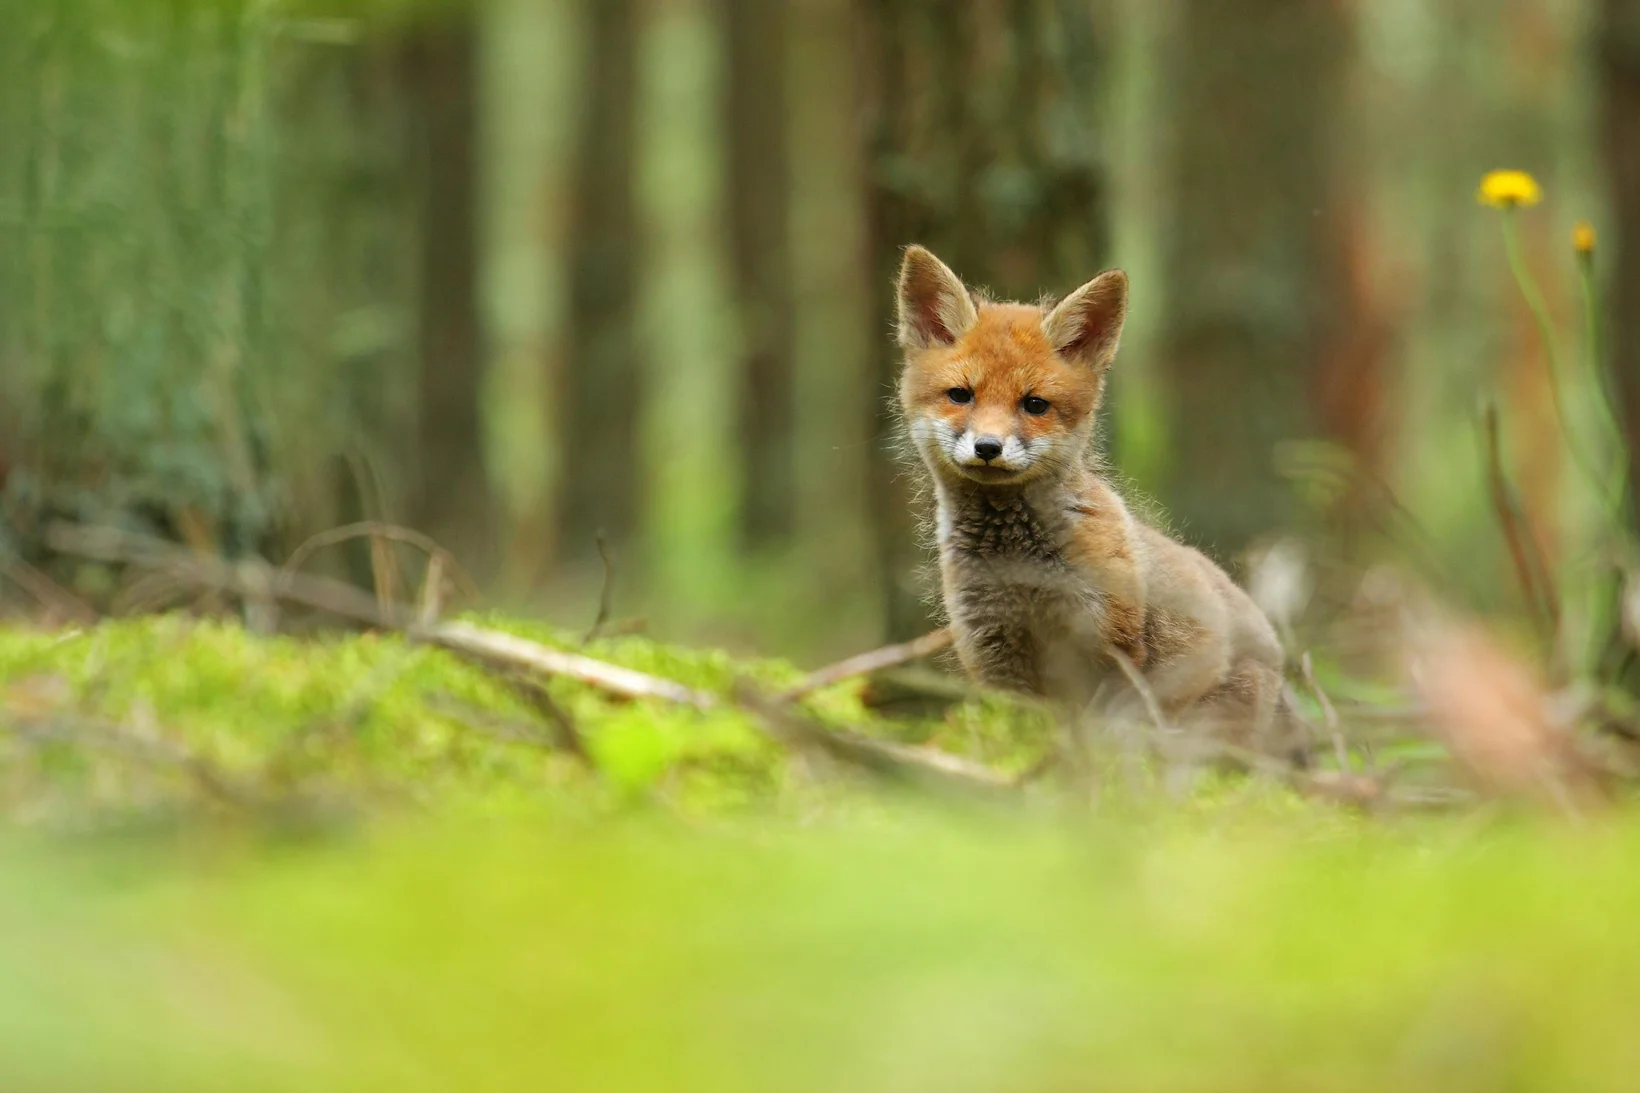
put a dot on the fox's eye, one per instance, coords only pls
(960, 395)
(1034, 405)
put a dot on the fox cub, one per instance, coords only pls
(1044, 570)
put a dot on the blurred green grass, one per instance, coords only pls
(706, 914)
(905, 953)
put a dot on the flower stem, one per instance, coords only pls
(1540, 311)
(1597, 369)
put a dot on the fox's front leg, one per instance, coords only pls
(1104, 558)
(1000, 655)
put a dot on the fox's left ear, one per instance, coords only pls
(935, 307)
(1087, 324)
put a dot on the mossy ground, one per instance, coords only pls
(703, 913)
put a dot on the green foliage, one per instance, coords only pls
(205, 214)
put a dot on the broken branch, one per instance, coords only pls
(889, 656)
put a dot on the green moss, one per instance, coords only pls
(373, 715)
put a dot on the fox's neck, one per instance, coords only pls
(1029, 519)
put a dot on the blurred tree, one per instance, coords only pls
(986, 147)
(600, 452)
(758, 184)
(834, 338)
(452, 499)
(1619, 70)
(139, 229)
(689, 441)
(1256, 88)
(533, 89)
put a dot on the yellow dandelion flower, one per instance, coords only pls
(1583, 237)
(1507, 189)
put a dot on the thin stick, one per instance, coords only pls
(375, 529)
(606, 596)
(1327, 712)
(1152, 707)
(46, 592)
(889, 656)
(518, 652)
(344, 600)
(565, 732)
(890, 761)
(384, 569)
(1530, 570)
(432, 591)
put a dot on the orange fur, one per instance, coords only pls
(1044, 571)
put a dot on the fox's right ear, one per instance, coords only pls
(935, 307)
(1087, 324)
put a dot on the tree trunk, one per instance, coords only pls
(452, 502)
(1256, 90)
(1620, 82)
(985, 148)
(600, 386)
(1618, 36)
(689, 438)
(758, 181)
(533, 89)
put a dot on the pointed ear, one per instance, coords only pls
(935, 308)
(1087, 324)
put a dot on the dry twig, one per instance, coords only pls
(379, 533)
(893, 762)
(1330, 715)
(606, 595)
(876, 660)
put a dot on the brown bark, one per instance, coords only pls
(1257, 85)
(985, 149)
(1619, 61)
(758, 187)
(452, 501)
(600, 446)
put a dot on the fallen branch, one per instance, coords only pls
(890, 656)
(893, 762)
(522, 653)
(345, 601)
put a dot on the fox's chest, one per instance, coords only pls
(1023, 617)
(1005, 562)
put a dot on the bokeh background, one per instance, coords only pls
(526, 274)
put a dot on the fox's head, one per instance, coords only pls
(1002, 394)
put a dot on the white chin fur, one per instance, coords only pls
(1015, 458)
(941, 443)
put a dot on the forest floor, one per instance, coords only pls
(351, 862)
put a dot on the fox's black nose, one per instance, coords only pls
(987, 448)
